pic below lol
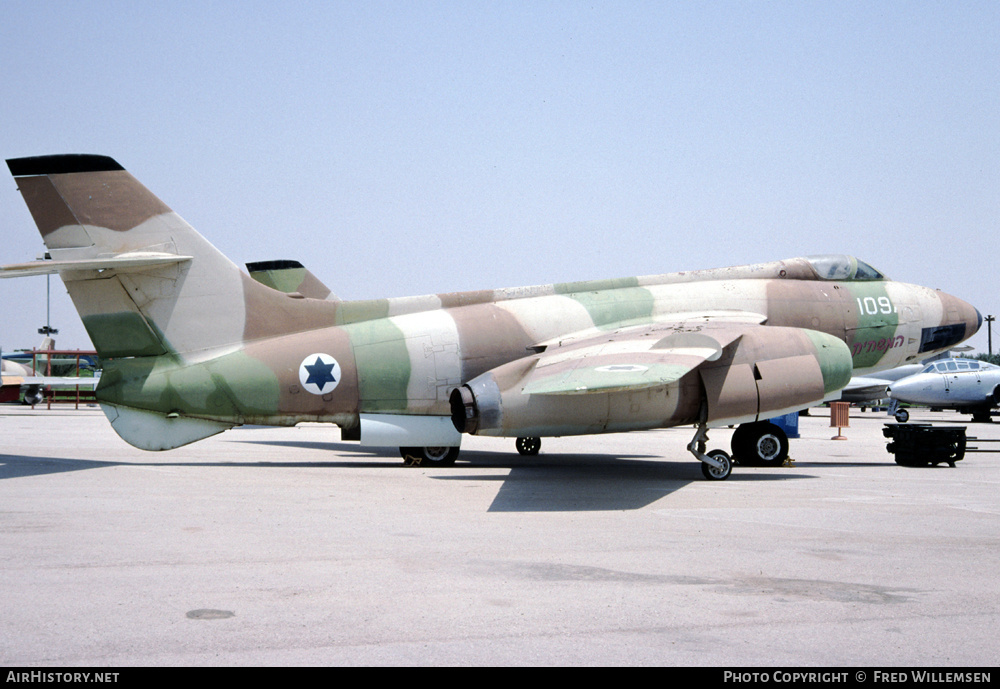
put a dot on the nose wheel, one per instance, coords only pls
(715, 465)
(721, 471)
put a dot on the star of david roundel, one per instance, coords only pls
(319, 373)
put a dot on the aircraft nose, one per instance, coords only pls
(959, 321)
(970, 316)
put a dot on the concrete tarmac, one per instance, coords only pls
(266, 546)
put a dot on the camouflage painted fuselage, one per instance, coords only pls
(185, 335)
(407, 355)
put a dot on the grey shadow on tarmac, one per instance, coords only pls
(550, 482)
(21, 466)
(562, 482)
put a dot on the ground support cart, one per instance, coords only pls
(920, 444)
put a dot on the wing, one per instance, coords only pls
(629, 358)
(62, 381)
(734, 370)
(864, 388)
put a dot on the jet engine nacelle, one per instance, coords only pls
(761, 373)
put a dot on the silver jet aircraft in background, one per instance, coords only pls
(966, 385)
(191, 345)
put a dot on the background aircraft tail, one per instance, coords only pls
(290, 277)
(144, 281)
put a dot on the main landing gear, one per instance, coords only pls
(982, 415)
(760, 444)
(429, 456)
(715, 465)
(529, 446)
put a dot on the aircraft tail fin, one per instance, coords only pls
(144, 281)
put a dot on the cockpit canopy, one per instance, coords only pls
(955, 365)
(843, 267)
(840, 267)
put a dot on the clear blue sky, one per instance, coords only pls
(408, 147)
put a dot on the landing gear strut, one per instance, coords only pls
(715, 465)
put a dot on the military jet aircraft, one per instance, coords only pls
(192, 345)
(874, 388)
(964, 384)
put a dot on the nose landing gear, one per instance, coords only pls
(716, 465)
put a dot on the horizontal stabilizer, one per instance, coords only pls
(121, 262)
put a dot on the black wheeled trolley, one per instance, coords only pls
(920, 444)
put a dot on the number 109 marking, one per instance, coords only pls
(873, 306)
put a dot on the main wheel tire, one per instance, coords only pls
(429, 456)
(771, 447)
(902, 416)
(717, 473)
(760, 444)
(528, 446)
(740, 444)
